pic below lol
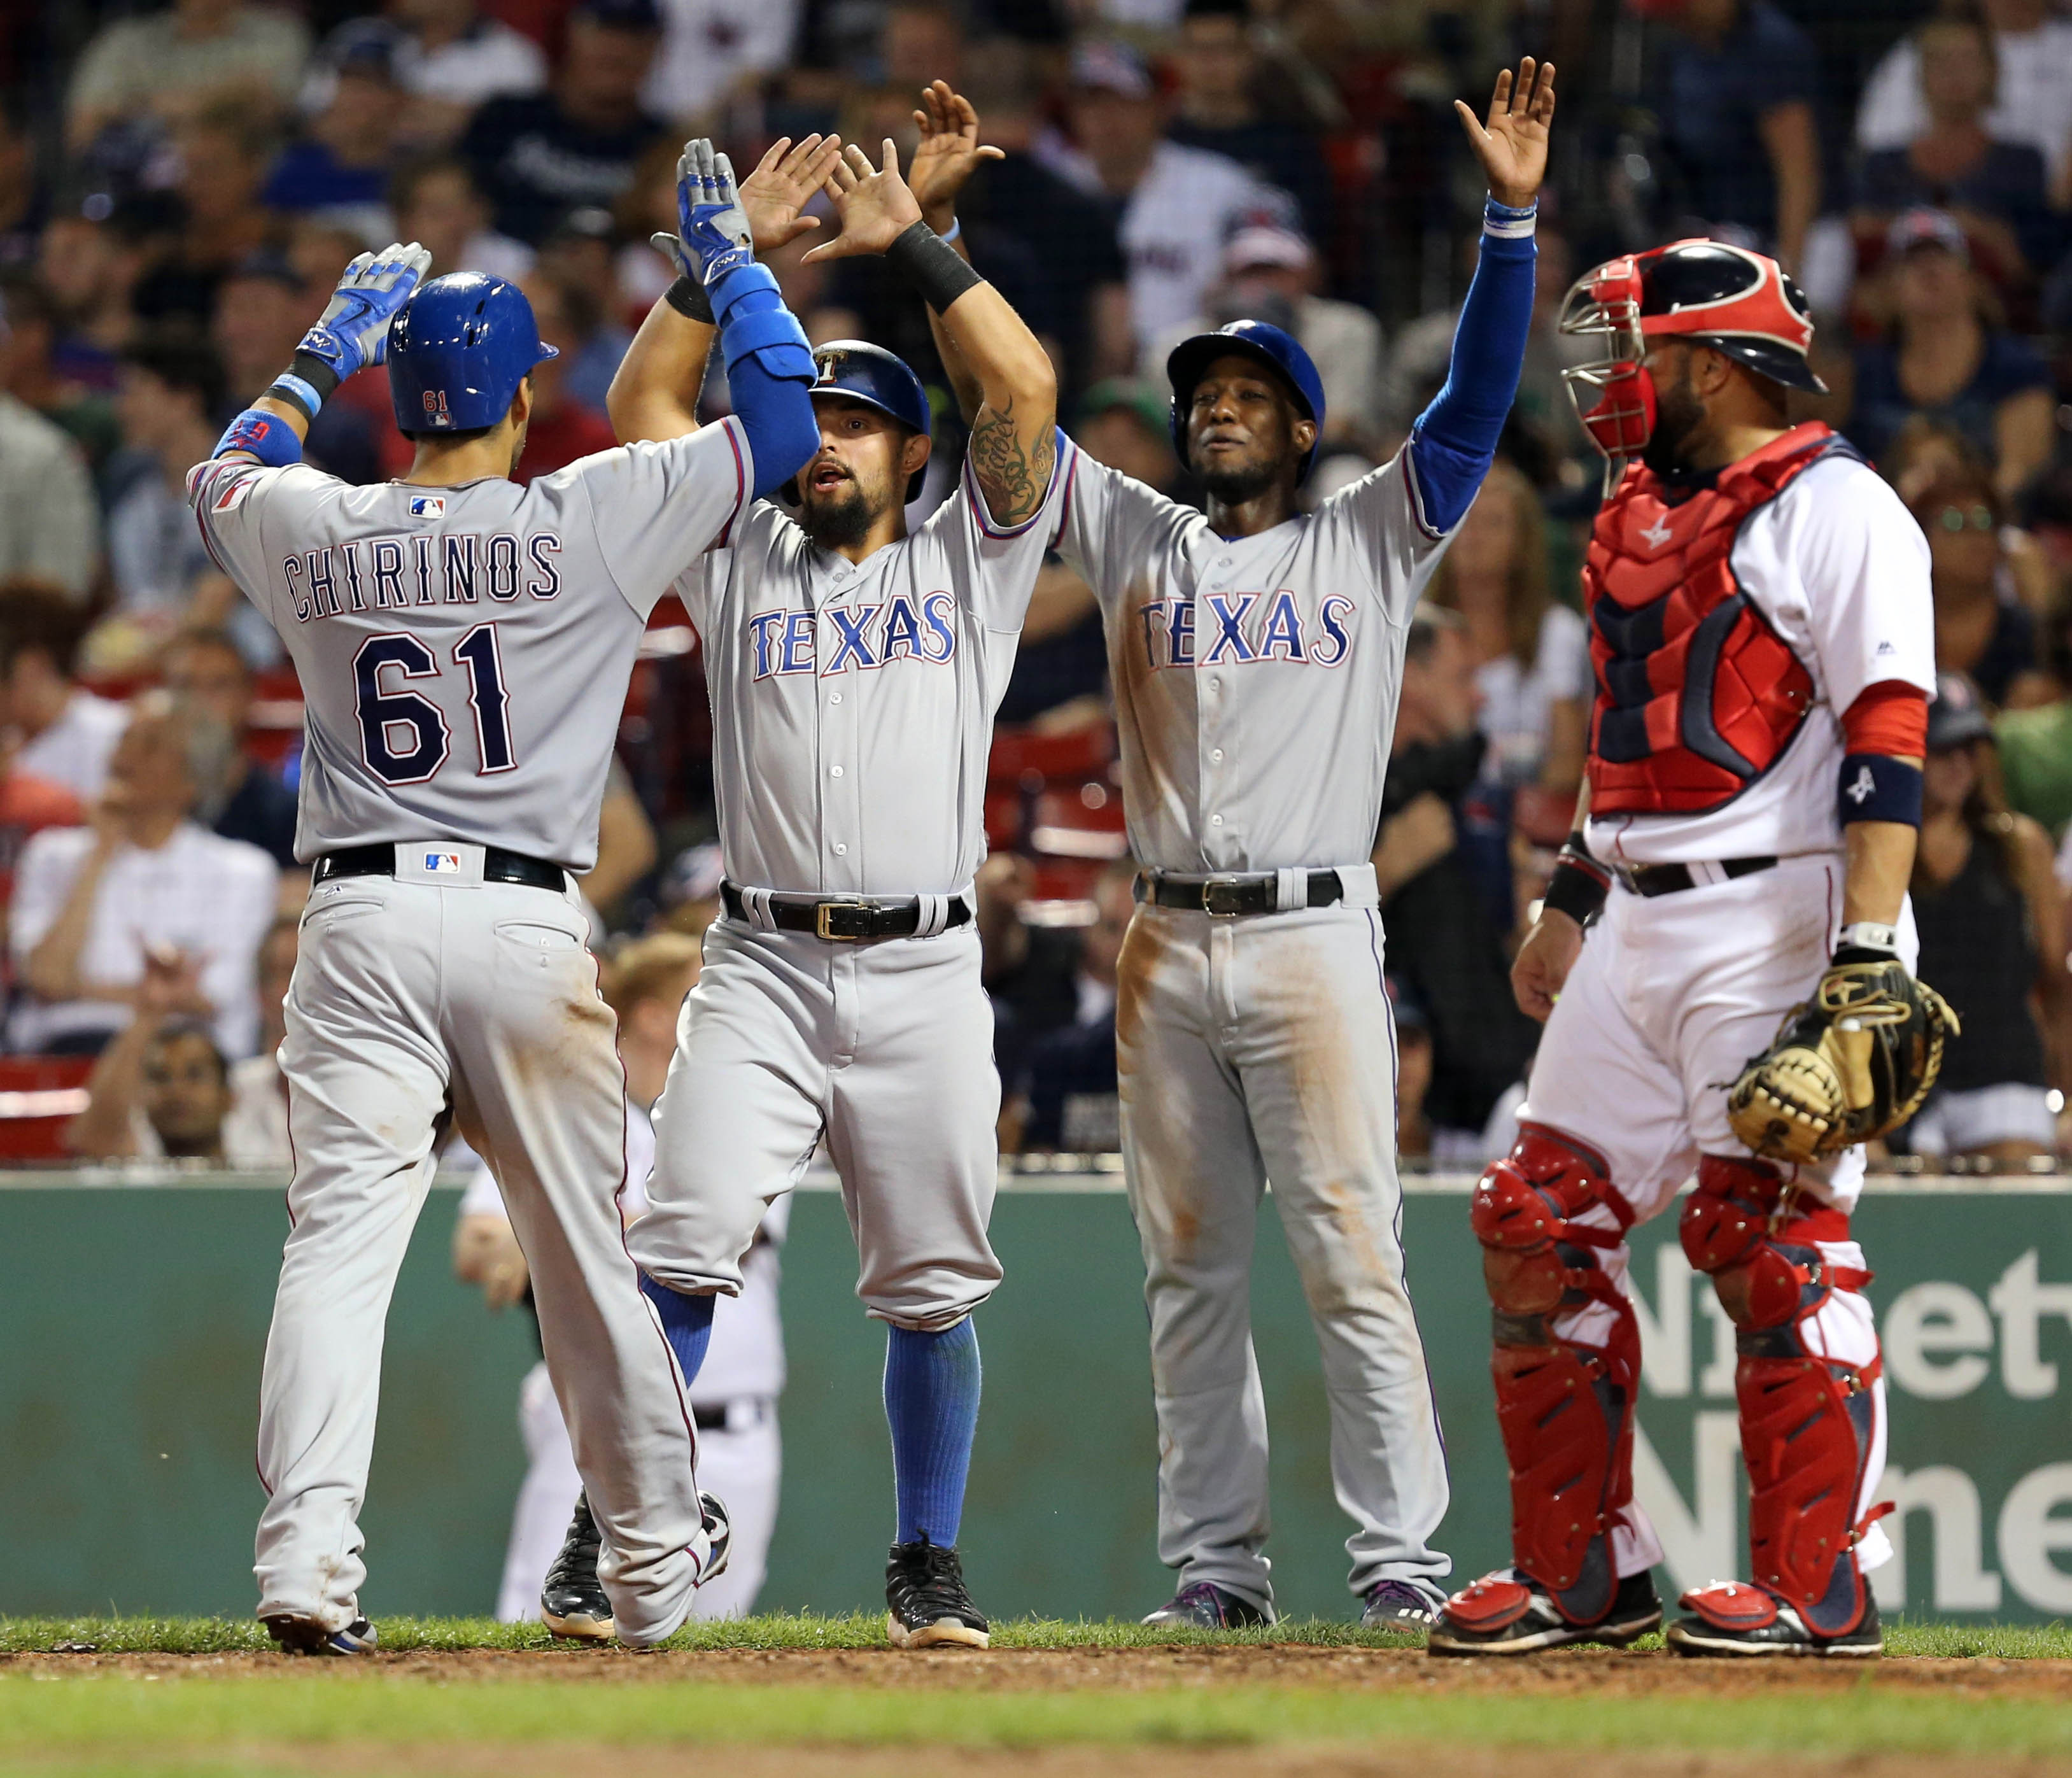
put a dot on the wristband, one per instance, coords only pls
(938, 272)
(957, 229)
(1579, 884)
(1875, 786)
(1508, 224)
(266, 436)
(689, 298)
(1869, 938)
(321, 375)
(297, 392)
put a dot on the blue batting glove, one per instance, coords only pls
(353, 331)
(712, 236)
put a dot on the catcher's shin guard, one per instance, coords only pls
(1565, 1409)
(1807, 1421)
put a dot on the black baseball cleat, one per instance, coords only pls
(1398, 1607)
(297, 1634)
(572, 1602)
(719, 1537)
(1506, 1614)
(1202, 1605)
(927, 1604)
(1734, 1618)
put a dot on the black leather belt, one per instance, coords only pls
(497, 866)
(844, 922)
(715, 1416)
(1228, 896)
(1666, 879)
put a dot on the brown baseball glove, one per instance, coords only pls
(1851, 1063)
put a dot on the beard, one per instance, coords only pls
(1242, 482)
(838, 520)
(1678, 413)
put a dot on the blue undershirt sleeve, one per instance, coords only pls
(1455, 438)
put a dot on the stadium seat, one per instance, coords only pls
(39, 1095)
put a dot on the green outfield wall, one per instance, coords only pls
(133, 1319)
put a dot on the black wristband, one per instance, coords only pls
(939, 275)
(1579, 884)
(687, 296)
(313, 370)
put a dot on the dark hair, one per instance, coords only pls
(219, 639)
(24, 302)
(1426, 623)
(175, 1029)
(36, 615)
(406, 181)
(182, 360)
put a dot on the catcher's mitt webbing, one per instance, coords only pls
(1847, 1065)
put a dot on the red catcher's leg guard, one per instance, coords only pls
(1565, 1409)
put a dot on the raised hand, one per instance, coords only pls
(1513, 147)
(873, 203)
(949, 152)
(712, 236)
(785, 180)
(352, 332)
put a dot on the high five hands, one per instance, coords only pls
(1512, 146)
(874, 203)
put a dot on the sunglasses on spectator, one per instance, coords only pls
(1956, 518)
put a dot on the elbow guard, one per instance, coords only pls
(265, 436)
(753, 321)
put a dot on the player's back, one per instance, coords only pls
(464, 651)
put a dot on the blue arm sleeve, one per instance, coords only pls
(1454, 440)
(777, 414)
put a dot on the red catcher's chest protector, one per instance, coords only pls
(1697, 695)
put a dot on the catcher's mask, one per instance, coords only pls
(1709, 292)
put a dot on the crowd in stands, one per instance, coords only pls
(181, 181)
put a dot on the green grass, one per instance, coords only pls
(866, 1630)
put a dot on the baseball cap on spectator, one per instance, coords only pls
(621, 14)
(1139, 399)
(1926, 227)
(1106, 64)
(1957, 716)
(1257, 241)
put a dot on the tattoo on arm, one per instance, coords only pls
(1013, 475)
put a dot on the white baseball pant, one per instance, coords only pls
(410, 994)
(1247, 1050)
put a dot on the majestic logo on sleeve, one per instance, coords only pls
(1238, 629)
(859, 637)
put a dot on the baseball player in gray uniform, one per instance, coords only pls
(1256, 654)
(854, 670)
(463, 645)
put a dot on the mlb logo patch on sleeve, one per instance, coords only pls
(442, 863)
(428, 506)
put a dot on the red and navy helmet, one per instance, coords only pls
(1711, 292)
(1279, 351)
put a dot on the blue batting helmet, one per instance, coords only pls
(858, 371)
(458, 350)
(1278, 351)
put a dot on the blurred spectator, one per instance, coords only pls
(247, 801)
(1999, 189)
(1993, 942)
(1531, 657)
(1072, 1088)
(28, 804)
(169, 65)
(2031, 99)
(535, 156)
(1982, 628)
(340, 162)
(223, 155)
(562, 428)
(711, 48)
(89, 265)
(92, 903)
(449, 56)
(1270, 273)
(1447, 950)
(170, 410)
(24, 202)
(1945, 358)
(1174, 206)
(1734, 92)
(1028, 970)
(1219, 109)
(626, 849)
(437, 205)
(1413, 1071)
(262, 310)
(29, 371)
(48, 524)
(577, 260)
(61, 731)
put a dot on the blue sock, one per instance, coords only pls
(931, 1388)
(686, 1321)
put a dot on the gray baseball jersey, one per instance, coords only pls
(1255, 678)
(853, 703)
(464, 651)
